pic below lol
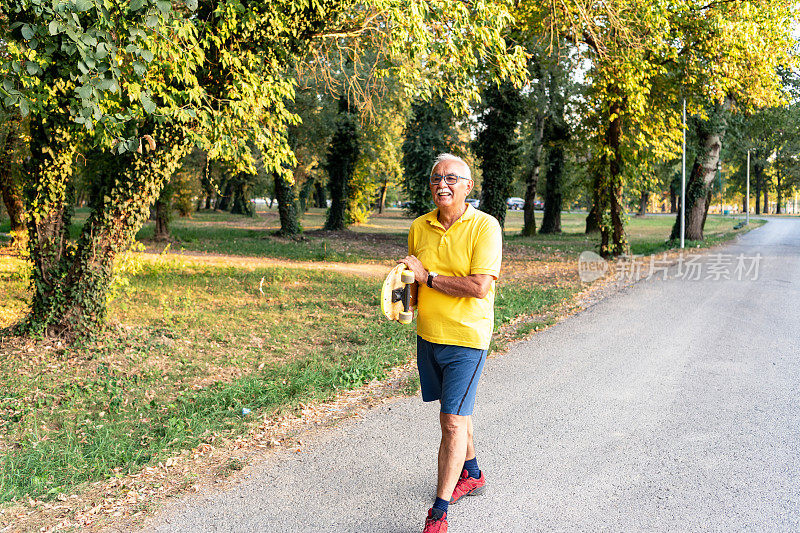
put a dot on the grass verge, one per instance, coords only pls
(191, 346)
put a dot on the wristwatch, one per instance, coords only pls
(431, 275)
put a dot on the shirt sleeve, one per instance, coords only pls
(488, 252)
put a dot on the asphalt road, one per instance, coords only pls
(673, 405)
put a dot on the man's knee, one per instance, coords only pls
(453, 425)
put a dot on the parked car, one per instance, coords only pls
(515, 203)
(538, 205)
(474, 202)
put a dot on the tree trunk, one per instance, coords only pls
(757, 172)
(778, 193)
(320, 197)
(70, 282)
(593, 217)
(430, 130)
(224, 202)
(241, 196)
(644, 198)
(766, 200)
(342, 156)
(708, 204)
(11, 193)
(532, 180)
(612, 238)
(301, 175)
(162, 211)
(287, 208)
(704, 170)
(382, 195)
(673, 202)
(557, 135)
(496, 147)
(529, 213)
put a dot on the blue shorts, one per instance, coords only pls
(450, 374)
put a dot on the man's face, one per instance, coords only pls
(448, 196)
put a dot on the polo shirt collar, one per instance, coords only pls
(433, 216)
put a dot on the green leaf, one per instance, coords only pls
(32, 68)
(28, 32)
(83, 5)
(151, 21)
(23, 107)
(136, 5)
(139, 68)
(191, 4)
(147, 103)
(164, 6)
(84, 91)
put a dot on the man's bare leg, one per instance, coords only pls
(470, 444)
(452, 451)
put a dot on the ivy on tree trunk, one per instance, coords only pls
(556, 135)
(343, 154)
(532, 178)
(610, 210)
(70, 280)
(430, 131)
(287, 207)
(162, 213)
(497, 147)
(241, 195)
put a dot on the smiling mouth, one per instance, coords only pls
(441, 194)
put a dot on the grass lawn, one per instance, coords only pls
(190, 343)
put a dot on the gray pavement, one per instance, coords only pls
(673, 405)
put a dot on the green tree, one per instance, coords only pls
(727, 69)
(340, 165)
(104, 69)
(11, 150)
(124, 76)
(430, 131)
(498, 148)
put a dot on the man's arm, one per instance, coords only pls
(472, 286)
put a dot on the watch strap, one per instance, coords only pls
(431, 275)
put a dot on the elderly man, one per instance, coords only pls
(455, 253)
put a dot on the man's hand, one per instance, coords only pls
(472, 286)
(414, 264)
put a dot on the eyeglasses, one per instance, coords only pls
(450, 179)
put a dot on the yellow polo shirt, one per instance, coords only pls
(472, 245)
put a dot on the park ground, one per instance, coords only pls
(228, 337)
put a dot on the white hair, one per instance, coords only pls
(450, 157)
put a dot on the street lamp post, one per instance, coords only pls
(747, 199)
(719, 185)
(683, 178)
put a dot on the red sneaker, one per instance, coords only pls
(434, 525)
(468, 486)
